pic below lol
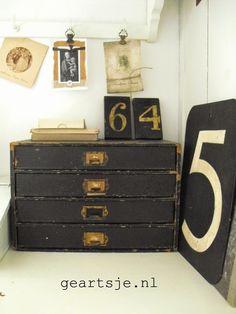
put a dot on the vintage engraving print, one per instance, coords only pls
(70, 68)
(123, 63)
(21, 59)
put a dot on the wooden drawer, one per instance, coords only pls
(110, 210)
(125, 193)
(94, 237)
(105, 155)
(82, 184)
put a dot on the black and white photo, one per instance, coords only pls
(69, 66)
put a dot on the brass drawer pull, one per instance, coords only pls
(95, 239)
(94, 212)
(95, 186)
(95, 158)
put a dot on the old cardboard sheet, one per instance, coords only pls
(123, 63)
(21, 59)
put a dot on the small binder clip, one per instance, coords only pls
(70, 37)
(123, 35)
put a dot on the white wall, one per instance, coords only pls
(193, 56)
(21, 107)
(208, 50)
(222, 50)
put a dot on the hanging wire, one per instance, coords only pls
(130, 77)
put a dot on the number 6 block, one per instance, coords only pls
(117, 117)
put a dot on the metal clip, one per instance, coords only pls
(70, 35)
(70, 38)
(123, 34)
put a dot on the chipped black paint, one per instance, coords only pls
(141, 200)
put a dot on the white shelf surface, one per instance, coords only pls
(30, 283)
(4, 223)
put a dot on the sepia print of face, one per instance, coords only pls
(19, 59)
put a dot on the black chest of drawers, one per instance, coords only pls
(96, 196)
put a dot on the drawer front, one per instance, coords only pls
(125, 184)
(95, 210)
(90, 237)
(96, 157)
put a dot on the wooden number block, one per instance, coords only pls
(117, 117)
(207, 237)
(147, 118)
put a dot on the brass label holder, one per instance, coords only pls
(95, 158)
(95, 239)
(94, 212)
(95, 187)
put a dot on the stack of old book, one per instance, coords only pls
(57, 130)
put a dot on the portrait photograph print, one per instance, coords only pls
(70, 65)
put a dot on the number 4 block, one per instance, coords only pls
(147, 118)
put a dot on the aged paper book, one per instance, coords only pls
(60, 123)
(64, 134)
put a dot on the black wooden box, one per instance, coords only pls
(96, 196)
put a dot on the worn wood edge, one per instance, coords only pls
(101, 225)
(231, 298)
(98, 142)
(97, 250)
(13, 144)
(227, 284)
(178, 149)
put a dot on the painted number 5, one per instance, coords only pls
(202, 166)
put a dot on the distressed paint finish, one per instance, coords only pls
(112, 195)
(202, 244)
(117, 117)
(70, 236)
(208, 195)
(227, 285)
(147, 118)
(87, 210)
